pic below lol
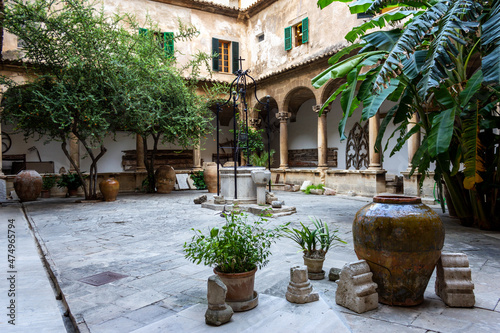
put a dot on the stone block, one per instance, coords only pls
(288, 188)
(316, 191)
(305, 185)
(329, 191)
(218, 311)
(300, 289)
(219, 200)
(334, 274)
(270, 197)
(454, 280)
(356, 289)
(201, 199)
(296, 188)
(277, 204)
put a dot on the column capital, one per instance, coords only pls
(283, 116)
(317, 108)
(254, 122)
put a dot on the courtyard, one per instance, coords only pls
(140, 236)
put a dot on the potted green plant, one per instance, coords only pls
(48, 182)
(314, 241)
(71, 181)
(235, 250)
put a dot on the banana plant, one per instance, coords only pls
(441, 62)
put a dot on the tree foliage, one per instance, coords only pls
(91, 74)
(441, 63)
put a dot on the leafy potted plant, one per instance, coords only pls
(71, 181)
(48, 182)
(314, 241)
(235, 250)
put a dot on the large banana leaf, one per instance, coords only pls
(348, 101)
(373, 103)
(342, 68)
(441, 132)
(380, 40)
(471, 88)
(490, 41)
(378, 22)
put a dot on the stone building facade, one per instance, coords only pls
(284, 44)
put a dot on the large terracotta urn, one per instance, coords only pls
(240, 289)
(109, 188)
(28, 185)
(401, 239)
(165, 179)
(210, 176)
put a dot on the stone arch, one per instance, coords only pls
(295, 98)
(328, 89)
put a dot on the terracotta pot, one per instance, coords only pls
(314, 265)
(401, 239)
(165, 179)
(28, 185)
(109, 188)
(45, 194)
(239, 285)
(210, 176)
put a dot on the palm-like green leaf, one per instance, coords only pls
(472, 145)
(491, 44)
(381, 40)
(441, 132)
(471, 88)
(373, 103)
(378, 22)
(378, 5)
(453, 22)
(348, 102)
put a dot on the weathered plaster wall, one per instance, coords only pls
(327, 29)
(303, 133)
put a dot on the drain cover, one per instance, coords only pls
(102, 278)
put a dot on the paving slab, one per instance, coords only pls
(142, 235)
(24, 284)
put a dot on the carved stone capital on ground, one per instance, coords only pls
(454, 280)
(300, 289)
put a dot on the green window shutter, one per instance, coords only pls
(305, 30)
(235, 46)
(143, 32)
(169, 43)
(288, 38)
(215, 49)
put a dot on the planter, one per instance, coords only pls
(45, 194)
(165, 179)
(28, 185)
(401, 239)
(240, 294)
(210, 176)
(314, 268)
(109, 188)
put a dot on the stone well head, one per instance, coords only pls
(261, 177)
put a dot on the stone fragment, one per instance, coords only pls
(352, 193)
(201, 199)
(288, 188)
(300, 289)
(218, 311)
(334, 274)
(305, 184)
(277, 204)
(329, 191)
(356, 289)
(219, 200)
(296, 188)
(316, 191)
(454, 280)
(270, 197)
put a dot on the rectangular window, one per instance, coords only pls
(228, 55)
(297, 34)
(164, 39)
(224, 48)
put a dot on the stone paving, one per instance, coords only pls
(141, 236)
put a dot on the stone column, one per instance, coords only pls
(74, 151)
(414, 141)
(197, 156)
(322, 138)
(283, 117)
(374, 125)
(139, 147)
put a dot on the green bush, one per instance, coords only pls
(313, 187)
(48, 182)
(199, 180)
